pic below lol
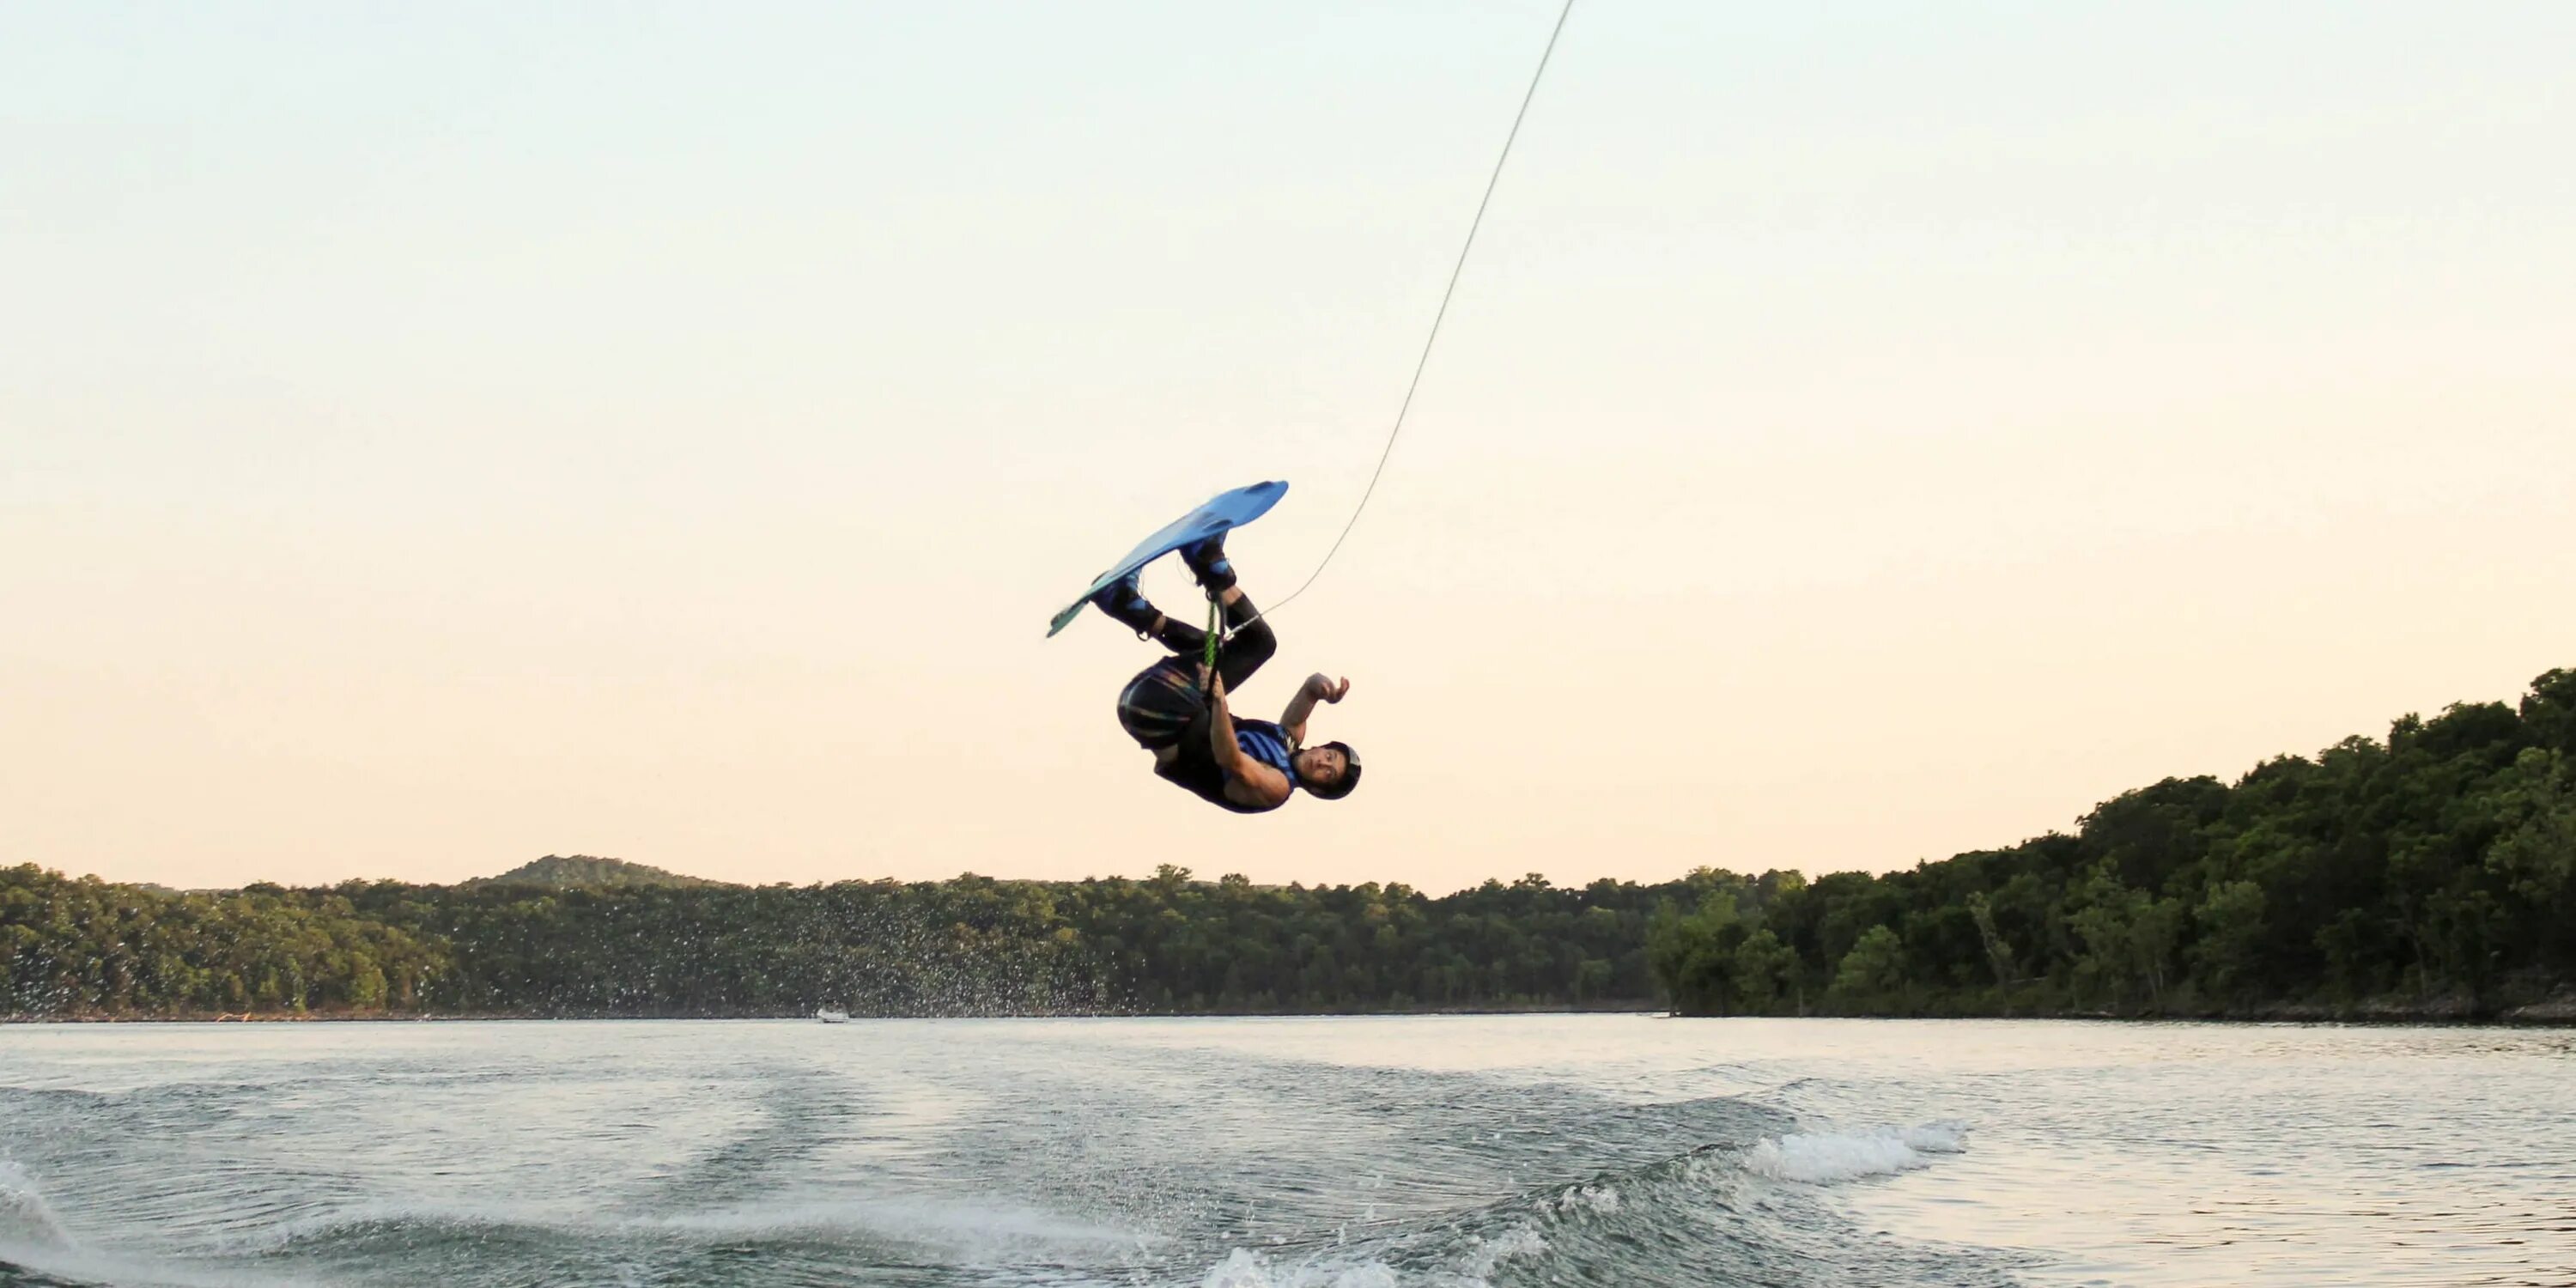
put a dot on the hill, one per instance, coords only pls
(582, 872)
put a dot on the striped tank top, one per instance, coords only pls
(1265, 742)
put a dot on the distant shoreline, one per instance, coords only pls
(2554, 1013)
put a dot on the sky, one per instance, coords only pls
(435, 437)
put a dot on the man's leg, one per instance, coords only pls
(1249, 641)
(1124, 600)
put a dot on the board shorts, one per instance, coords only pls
(1160, 703)
(1164, 698)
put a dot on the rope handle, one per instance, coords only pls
(1215, 627)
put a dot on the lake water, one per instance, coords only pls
(1359, 1153)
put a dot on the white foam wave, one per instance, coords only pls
(83, 1265)
(32, 1237)
(970, 1228)
(912, 1220)
(1483, 1255)
(1826, 1158)
(24, 1214)
(1599, 1199)
(1472, 1268)
(1243, 1268)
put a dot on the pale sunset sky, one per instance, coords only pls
(434, 436)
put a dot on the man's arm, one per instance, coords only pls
(1318, 687)
(1247, 781)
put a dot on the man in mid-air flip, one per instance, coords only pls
(1177, 710)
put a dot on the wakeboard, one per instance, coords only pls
(1223, 511)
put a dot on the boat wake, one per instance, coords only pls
(1731, 1211)
(1722, 1213)
(1146, 1169)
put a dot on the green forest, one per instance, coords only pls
(2430, 873)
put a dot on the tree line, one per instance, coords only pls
(2434, 870)
(973, 945)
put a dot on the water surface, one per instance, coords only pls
(1362, 1153)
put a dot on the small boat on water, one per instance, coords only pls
(829, 1016)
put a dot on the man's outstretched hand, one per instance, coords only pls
(1325, 688)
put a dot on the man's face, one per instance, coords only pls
(1322, 766)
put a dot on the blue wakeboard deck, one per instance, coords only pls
(1225, 510)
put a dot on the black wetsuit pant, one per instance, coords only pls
(1159, 704)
